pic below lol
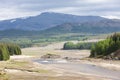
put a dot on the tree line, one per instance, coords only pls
(71, 45)
(7, 49)
(106, 47)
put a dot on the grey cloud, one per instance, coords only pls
(79, 7)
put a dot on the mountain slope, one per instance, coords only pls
(46, 20)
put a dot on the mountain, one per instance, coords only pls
(46, 20)
(53, 23)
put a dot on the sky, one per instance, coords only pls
(23, 8)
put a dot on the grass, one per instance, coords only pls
(17, 64)
(3, 75)
(13, 64)
(24, 68)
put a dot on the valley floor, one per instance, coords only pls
(76, 67)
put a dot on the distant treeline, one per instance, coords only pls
(106, 47)
(30, 38)
(71, 45)
(7, 49)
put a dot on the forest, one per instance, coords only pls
(106, 47)
(8, 49)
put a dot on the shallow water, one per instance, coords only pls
(50, 61)
(91, 69)
(82, 68)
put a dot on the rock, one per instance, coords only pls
(50, 56)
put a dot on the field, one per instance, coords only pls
(25, 68)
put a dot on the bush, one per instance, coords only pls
(69, 45)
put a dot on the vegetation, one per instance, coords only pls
(71, 45)
(106, 47)
(37, 38)
(13, 49)
(4, 54)
(8, 49)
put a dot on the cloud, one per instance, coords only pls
(97, 1)
(21, 8)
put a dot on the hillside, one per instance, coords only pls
(45, 20)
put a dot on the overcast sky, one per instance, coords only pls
(22, 8)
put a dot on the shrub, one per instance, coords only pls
(69, 45)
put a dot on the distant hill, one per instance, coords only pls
(103, 26)
(46, 20)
